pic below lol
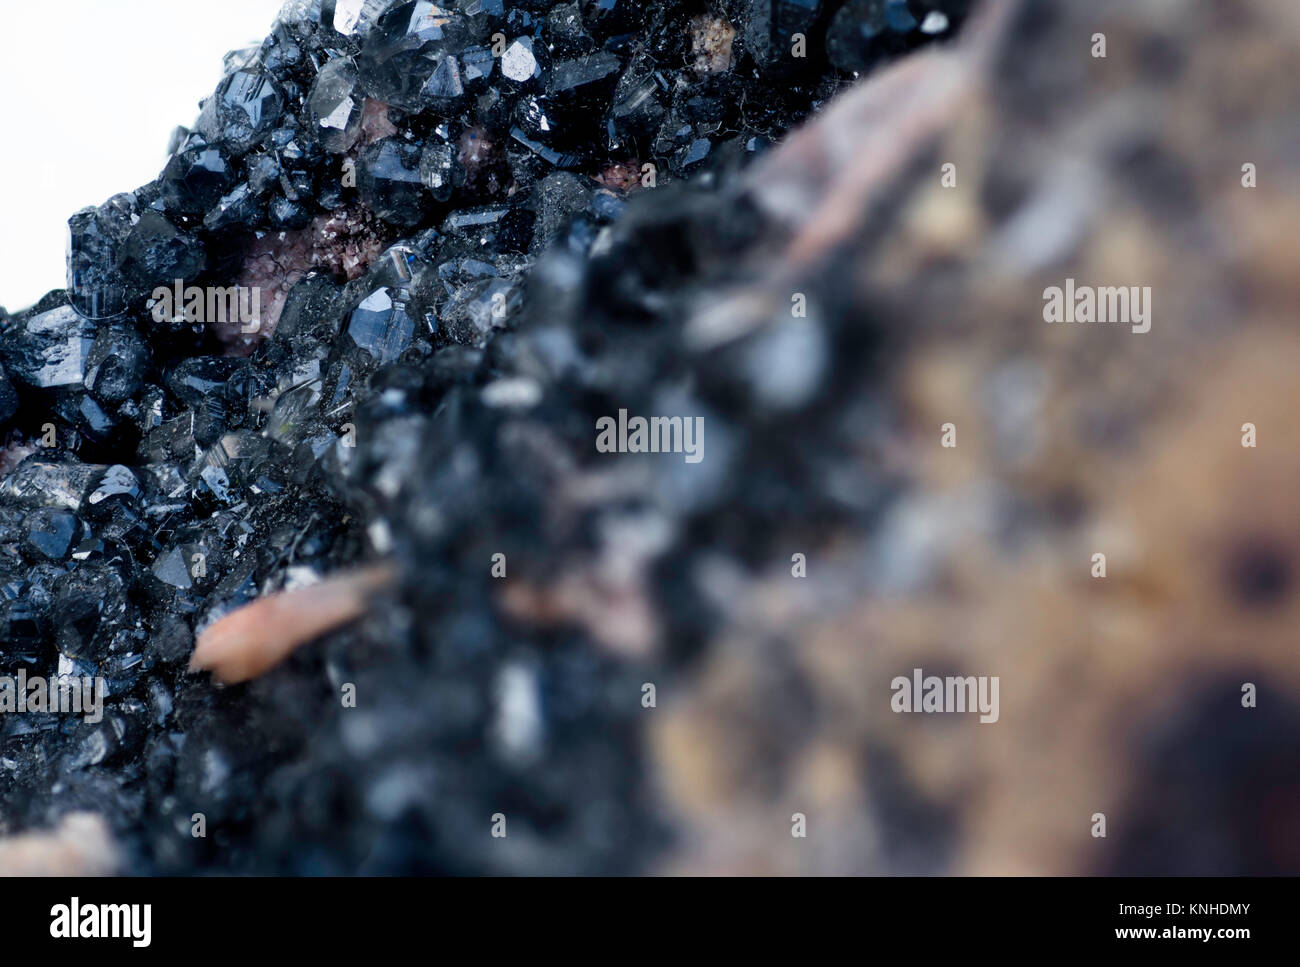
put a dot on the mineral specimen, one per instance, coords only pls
(478, 228)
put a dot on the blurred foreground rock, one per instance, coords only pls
(1119, 695)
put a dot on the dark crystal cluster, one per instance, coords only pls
(475, 227)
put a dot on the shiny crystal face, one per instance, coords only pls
(335, 106)
(244, 109)
(406, 47)
(347, 15)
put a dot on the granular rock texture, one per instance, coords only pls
(372, 309)
(567, 213)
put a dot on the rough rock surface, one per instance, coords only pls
(372, 308)
(474, 265)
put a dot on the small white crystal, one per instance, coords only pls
(518, 62)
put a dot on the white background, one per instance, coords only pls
(90, 91)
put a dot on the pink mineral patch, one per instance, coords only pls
(343, 243)
(375, 125)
